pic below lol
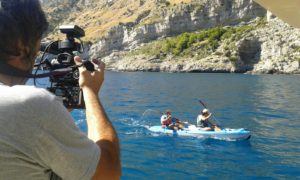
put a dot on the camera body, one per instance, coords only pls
(64, 84)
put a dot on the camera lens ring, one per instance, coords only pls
(76, 74)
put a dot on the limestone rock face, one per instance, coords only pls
(185, 18)
(280, 48)
(274, 48)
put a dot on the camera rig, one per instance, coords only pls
(63, 73)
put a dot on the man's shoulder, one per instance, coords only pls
(200, 117)
(33, 94)
(28, 90)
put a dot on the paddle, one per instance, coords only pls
(202, 104)
(215, 126)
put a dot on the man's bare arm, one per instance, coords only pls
(100, 129)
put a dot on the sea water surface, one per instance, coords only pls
(267, 105)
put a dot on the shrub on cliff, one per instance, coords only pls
(186, 40)
(201, 43)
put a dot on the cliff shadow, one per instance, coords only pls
(250, 53)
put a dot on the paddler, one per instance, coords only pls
(167, 121)
(204, 123)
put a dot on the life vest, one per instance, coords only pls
(165, 120)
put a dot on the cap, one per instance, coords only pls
(205, 111)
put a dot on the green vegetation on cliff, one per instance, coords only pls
(207, 39)
(201, 43)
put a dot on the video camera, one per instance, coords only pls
(63, 73)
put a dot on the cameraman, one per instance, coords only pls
(38, 137)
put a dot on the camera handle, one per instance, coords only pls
(87, 64)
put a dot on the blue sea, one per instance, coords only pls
(267, 105)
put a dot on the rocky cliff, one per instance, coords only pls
(279, 48)
(176, 20)
(273, 47)
(130, 35)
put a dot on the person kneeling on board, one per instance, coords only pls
(204, 123)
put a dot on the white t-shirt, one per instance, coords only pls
(38, 138)
(200, 118)
(163, 118)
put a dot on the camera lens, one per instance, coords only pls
(76, 74)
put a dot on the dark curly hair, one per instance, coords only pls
(21, 22)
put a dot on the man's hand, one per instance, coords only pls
(91, 80)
